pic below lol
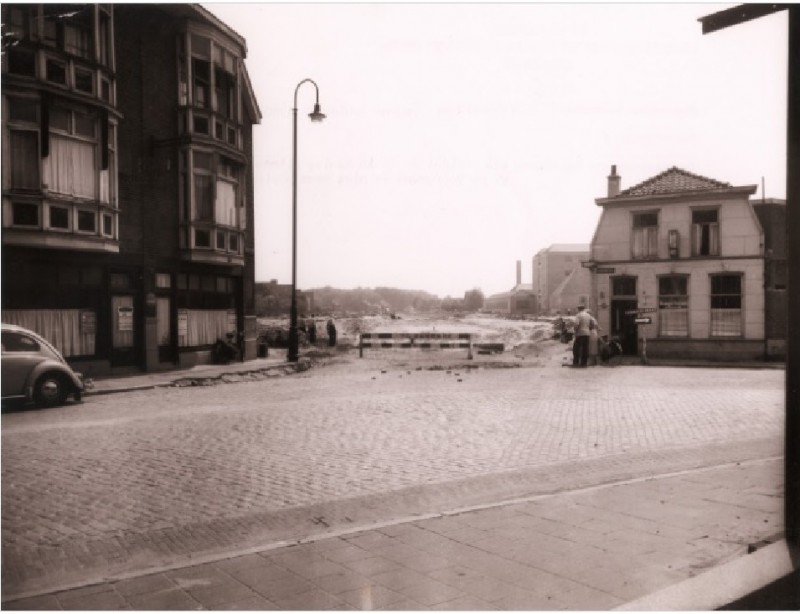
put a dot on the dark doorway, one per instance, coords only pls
(623, 325)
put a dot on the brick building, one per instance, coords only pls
(127, 182)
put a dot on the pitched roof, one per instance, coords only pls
(672, 181)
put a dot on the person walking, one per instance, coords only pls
(580, 346)
(311, 330)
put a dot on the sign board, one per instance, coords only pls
(643, 320)
(633, 312)
(588, 264)
(124, 318)
(183, 323)
(88, 322)
(605, 270)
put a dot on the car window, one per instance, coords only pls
(17, 342)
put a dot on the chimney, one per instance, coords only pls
(613, 182)
(519, 272)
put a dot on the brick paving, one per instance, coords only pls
(124, 483)
(594, 549)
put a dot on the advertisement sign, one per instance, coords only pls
(124, 318)
(88, 322)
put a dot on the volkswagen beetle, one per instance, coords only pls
(34, 371)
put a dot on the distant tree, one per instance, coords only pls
(473, 300)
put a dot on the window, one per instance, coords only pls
(59, 217)
(726, 305)
(103, 38)
(17, 342)
(202, 238)
(202, 83)
(87, 221)
(645, 235)
(163, 280)
(84, 80)
(25, 214)
(56, 71)
(108, 225)
(705, 233)
(623, 286)
(71, 168)
(233, 243)
(21, 62)
(24, 159)
(673, 306)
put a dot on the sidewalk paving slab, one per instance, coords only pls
(590, 549)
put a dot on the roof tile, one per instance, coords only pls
(671, 181)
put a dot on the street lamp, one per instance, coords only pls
(316, 116)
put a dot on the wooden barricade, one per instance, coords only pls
(422, 340)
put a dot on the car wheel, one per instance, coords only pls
(50, 390)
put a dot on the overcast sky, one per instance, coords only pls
(461, 138)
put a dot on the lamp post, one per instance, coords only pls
(316, 116)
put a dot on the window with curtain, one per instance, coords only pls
(645, 235)
(205, 326)
(226, 203)
(726, 305)
(673, 306)
(70, 167)
(71, 331)
(705, 233)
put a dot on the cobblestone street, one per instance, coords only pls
(127, 481)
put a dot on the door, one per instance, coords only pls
(164, 329)
(623, 324)
(123, 330)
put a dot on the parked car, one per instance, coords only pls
(34, 371)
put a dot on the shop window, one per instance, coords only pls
(59, 217)
(705, 233)
(673, 306)
(25, 214)
(726, 305)
(645, 235)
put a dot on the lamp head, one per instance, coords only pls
(316, 115)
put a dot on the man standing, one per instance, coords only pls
(583, 329)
